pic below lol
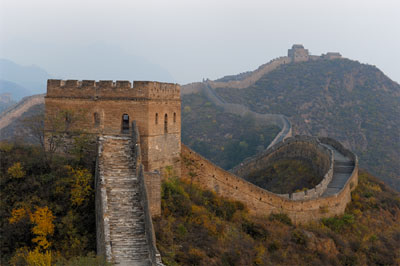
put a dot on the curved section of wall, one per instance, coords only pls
(352, 181)
(303, 147)
(253, 76)
(238, 109)
(260, 201)
(15, 111)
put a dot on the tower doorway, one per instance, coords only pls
(125, 123)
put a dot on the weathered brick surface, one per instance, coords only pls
(120, 215)
(302, 147)
(262, 202)
(109, 101)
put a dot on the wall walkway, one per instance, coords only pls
(262, 202)
(123, 221)
(15, 111)
(271, 119)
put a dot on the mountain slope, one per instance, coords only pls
(351, 102)
(16, 91)
(224, 138)
(197, 227)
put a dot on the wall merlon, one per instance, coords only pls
(123, 84)
(112, 89)
(88, 83)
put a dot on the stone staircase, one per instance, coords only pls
(343, 167)
(125, 213)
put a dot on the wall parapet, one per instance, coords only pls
(353, 179)
(111, 89)
(155, 255)
(274, 153)
(259, 201)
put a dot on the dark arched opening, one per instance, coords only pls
(165, 124)
(96, 118)
(125, 123)
(156, 118)
(174, 117)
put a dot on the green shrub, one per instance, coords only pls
(280, 217)
(337, 224)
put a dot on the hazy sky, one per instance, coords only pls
(193, 39)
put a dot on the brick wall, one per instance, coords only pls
(100, 106)
(259, 201)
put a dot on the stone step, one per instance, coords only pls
(125, 212)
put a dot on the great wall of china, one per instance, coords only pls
(138, 135)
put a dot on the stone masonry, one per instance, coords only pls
(124, 229)
(107, 107)
(333, 195)
(138, 131)
(124, 237)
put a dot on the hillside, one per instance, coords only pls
(351, 102)
(225, 139)
(5, 101)
(198, 227)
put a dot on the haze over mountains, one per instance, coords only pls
(97, 61)
(352, 102)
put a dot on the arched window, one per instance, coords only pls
(156, 118)
(96, 118)
(125, 123)
(68, 120)
(174, 117)
(165, 124)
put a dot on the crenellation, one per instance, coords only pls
(72, 83)
(105, 84)
(53, 83)
(119, 89)
(88, 84)
(123, 84)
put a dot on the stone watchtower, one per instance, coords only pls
(108, 108)
(298, 53)
(130, 156)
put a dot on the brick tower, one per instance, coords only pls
(108, 108)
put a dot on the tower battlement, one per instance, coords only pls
(111, 89)
(298, 53)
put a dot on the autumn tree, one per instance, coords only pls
(52, 131)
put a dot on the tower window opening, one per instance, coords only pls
(156, 118)
(125, 123)
(67, 120)
(165, 124)
(174, 117)
(96, 118)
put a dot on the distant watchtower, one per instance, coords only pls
(298, 53)
(110, 107)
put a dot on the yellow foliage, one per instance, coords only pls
(81, 188)
(17, 215)
(375, 187)
(259, 260)
(37, 258)
(16, 170)
(355, 197)
(43, 220)
(357, 212)
(23, 256)
(19, 257)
